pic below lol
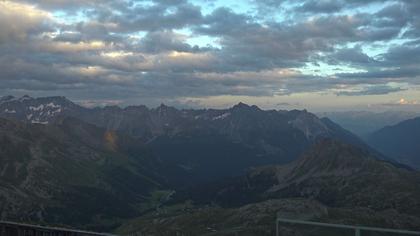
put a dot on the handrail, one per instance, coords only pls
(39, 227)
(357, 229)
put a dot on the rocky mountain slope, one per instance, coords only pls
(74, 173)
(336, 174)
(332, 182)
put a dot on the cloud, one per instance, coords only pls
(371, 90)
(19, 23)
(152, 18)
(126, 50)
(354, 56)
(66, 5)
(375, 76)
(401, 102)
(326, 6)
(402, 55)
(161, 41)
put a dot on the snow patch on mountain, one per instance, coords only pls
(42, 107)
(25, 98)
(39, 122)
(222, 116)
(9, 111)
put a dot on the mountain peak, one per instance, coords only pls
(164, 110)
(241, 105)
(328, 148)
(244, 106)
(25, 97)
(329, 156)
(57, 99)
(164, 107)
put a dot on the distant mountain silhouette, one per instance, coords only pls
(400, 141)
(364, 123)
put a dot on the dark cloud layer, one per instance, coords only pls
(147, 49)
(325, 6)
(377, 90)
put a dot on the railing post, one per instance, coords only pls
(277, 228)
(357, 232)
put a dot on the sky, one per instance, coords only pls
(322, 55)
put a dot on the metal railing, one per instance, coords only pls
(8, 228)
(357, 229)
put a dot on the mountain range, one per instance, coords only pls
(112, 164)
(230, 140)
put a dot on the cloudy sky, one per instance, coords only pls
(315, 54)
